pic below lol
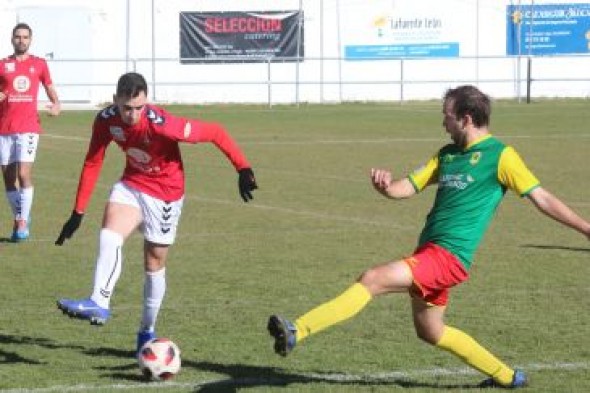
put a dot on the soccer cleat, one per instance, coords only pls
(284, 333)
(84, 309)
(19, 236)
(143, 337)
(519, 380)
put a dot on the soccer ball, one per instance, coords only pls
(159, 359)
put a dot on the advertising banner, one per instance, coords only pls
(385, 29)
(547, 29)
(234, 37)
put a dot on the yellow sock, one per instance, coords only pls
(472, 353)
(343, 307)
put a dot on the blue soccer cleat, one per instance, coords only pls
(519, 380)
(143, 337)
(284, 332)
(20, 235)
(84, 309)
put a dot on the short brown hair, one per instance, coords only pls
(469, 100)
(20, 26)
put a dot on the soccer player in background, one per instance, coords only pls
(473, 173)
(20, 76)
(148, 197)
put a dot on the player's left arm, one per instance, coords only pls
(216, 134)
(513, 173)
(195, 131)
(553, 207)
(55, 107)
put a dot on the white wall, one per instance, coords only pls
(120, 41)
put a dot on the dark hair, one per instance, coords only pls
(22, 26)
(131, 84)
(469, 100)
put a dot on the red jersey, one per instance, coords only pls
(19, 81)
(153, 162)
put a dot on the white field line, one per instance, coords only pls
(354, 141)
(304, 213)
(294, 377)
(282, 210)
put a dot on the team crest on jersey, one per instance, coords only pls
(475, 157)
(117, 133)
(21, 83)
(9, 67)
(154, 117)
(32, 70)
(139, 155)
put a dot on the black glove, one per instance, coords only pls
(69, 227)
(246, 183)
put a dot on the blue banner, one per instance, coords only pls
(372, 52)
(547, 29)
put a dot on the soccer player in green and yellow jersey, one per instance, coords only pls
(473, 174)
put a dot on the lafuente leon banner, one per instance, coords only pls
(233, 37)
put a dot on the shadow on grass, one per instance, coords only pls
(127, 372)
(241, 376)
(552, 247)
(13, 357)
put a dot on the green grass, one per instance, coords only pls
(314, 225)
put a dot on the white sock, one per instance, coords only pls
(154, 289)
(108, 267)
(26, 202)
(13, 199)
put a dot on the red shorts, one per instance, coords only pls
(435, 270)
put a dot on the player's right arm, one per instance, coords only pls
(90, 171)
(384, 183)
(101, 138)
(407, 186)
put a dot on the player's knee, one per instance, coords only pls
(372, 279)
(368, 277)
(427, 336)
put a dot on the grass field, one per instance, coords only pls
(314, 225)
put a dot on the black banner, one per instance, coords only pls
(235, 37)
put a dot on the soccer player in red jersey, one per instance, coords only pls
(20, 76)
(148, 197)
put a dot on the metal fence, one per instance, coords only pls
(325, 80)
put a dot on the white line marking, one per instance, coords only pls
(322, 216)
(296, 377)
(440, 139)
